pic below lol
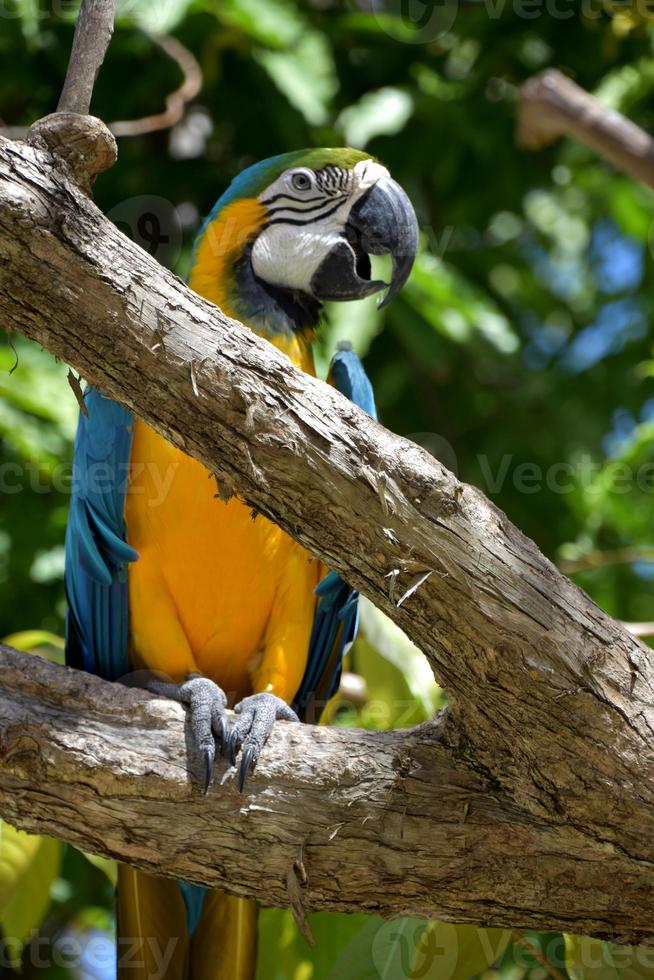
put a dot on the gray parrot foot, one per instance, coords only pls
(251, 729)
(206, 721)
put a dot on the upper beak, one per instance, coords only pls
(382, 221)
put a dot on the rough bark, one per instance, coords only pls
(384, 822)
(547, 747)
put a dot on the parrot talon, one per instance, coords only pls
(209, 758)
(205, 703)
(256, 716)
(222, 735)
(248, 761)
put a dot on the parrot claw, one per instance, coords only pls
(256, 716)
(209, 758)
(206, 721)
(248, 760)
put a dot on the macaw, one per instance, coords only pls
(164, 576)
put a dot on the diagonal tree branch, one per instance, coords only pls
(552, 105)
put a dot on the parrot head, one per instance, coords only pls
(298, 229)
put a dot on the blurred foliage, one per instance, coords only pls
(519, 353)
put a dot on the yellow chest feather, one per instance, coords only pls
(233, 592)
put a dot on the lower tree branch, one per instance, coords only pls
(390, 823)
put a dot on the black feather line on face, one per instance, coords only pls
(290, 197)
(315, 207)
(306, 221)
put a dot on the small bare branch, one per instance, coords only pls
(93, 32)
(176, 102)
(604, 559)
(552, 105)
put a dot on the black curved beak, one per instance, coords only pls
(381, 222)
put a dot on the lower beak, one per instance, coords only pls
(381, 222)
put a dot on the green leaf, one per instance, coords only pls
(275, 24)
(405, 948)
(356, 323)
(159, 16)
(632, 207)
(593, 959)
(624, 86)
(305, 74)
(456, 308)
(387, 639)
(106, 865)
(28, 867)
(284, 954)
(39, 642)
(383, 112)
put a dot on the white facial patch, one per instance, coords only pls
(307, 215)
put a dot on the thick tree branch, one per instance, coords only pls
(385, 822)
(552, 105)
(551, 701)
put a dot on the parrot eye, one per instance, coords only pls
(301, 181)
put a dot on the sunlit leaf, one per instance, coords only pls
(276, 23)
(28, 867)
(383, 112)
(403, 948)
(385, 637)
(159, 16)
(106, 865)
(456, 308)
(305, 74)
(40, 642)
(593, 959)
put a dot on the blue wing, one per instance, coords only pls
(96, 550)
(337, 612)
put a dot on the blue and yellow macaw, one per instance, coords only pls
(164, 576)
